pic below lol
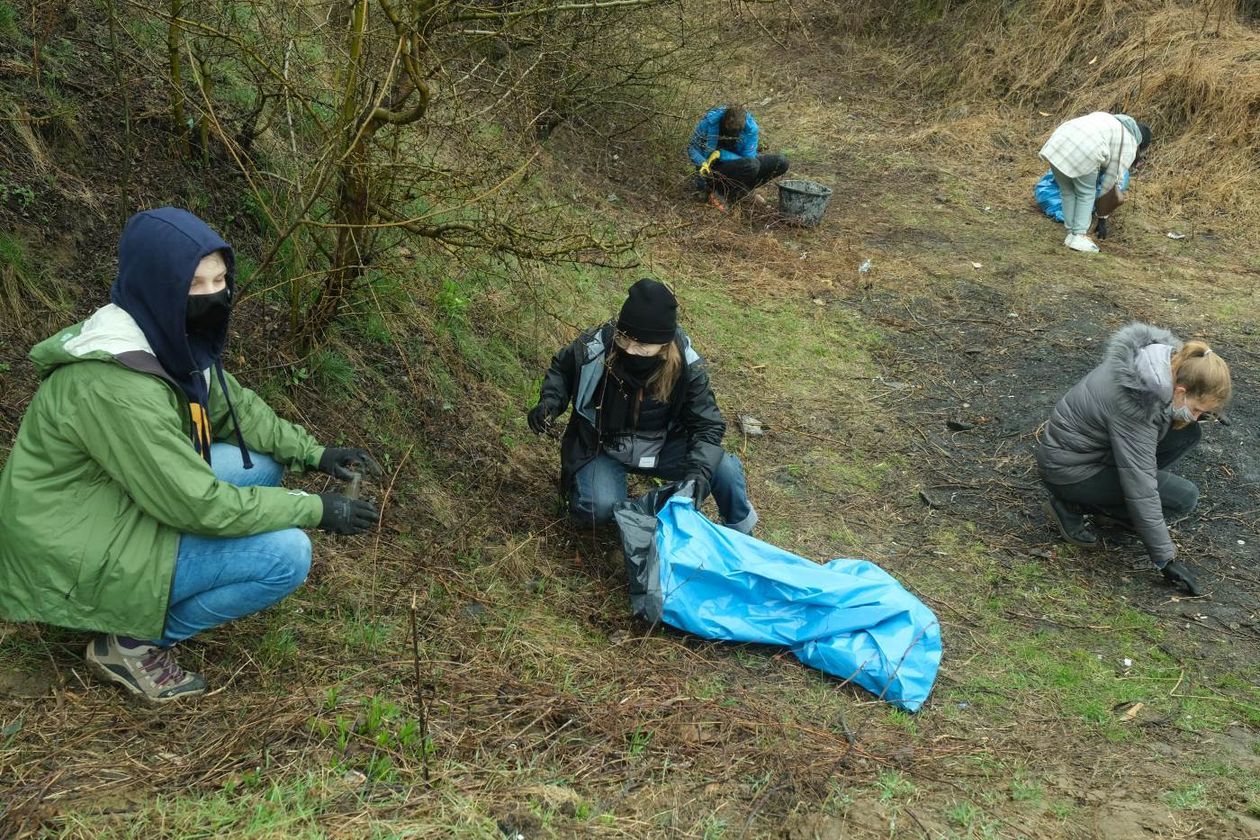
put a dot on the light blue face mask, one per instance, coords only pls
(1182, 414)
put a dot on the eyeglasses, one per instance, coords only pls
(636, 348)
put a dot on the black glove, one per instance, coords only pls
(541, 417)
(336, 461)
(344, 515)
(700, 487)
(1101, 230)
(1185, 575)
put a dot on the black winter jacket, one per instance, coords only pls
(574, 378)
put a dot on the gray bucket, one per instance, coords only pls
(803, 202)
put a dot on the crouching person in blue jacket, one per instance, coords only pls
(724, 149)
(641, 404)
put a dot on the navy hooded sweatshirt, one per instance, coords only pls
(158, 255)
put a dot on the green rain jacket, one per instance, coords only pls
(102, 480)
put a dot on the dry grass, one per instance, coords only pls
(1189, 70)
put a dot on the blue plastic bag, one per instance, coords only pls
(848, 618)
(1050, 200)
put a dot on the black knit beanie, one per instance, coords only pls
(650, 313)
(1145, 131)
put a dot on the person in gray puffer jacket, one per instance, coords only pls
(1110, 441)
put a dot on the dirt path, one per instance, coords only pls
(985, 321)
(987, 367)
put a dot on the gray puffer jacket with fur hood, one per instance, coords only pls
(1115, 417)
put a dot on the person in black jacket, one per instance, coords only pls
(641, 404)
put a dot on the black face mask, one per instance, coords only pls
(640, 367)
(206, 313)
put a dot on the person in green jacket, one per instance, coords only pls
(126, 510)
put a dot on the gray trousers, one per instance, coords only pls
(1103, 493)
(1078, 199)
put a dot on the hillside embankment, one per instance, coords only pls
(1080, 697)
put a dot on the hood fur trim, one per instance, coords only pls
(1122, 352)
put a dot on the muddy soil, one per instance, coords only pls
(987, 367)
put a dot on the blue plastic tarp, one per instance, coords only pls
(1050, 200)
(848, 618)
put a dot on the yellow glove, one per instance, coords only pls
(704, 167)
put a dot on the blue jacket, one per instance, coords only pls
(704, 140)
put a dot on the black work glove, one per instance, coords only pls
(343, 515)
(1101, 230)
(337, 461)
(700, 488)
(541, 418)
(1180, 573)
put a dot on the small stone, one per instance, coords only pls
(751, 426)
(960, 425)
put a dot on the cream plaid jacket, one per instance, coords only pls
(1097, 142)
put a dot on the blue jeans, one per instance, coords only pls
(220, 579)
(600, 486)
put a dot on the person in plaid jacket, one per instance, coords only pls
(1079, 151)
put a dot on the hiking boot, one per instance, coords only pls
(1080, 242)
(1071, 524)
(146, 671)
(1179, 573)
(719, 203)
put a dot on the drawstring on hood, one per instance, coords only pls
(157, 258)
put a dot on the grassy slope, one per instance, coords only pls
(550, 713)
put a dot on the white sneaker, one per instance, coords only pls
(1079, 242)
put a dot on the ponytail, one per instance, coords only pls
(1203, 373)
